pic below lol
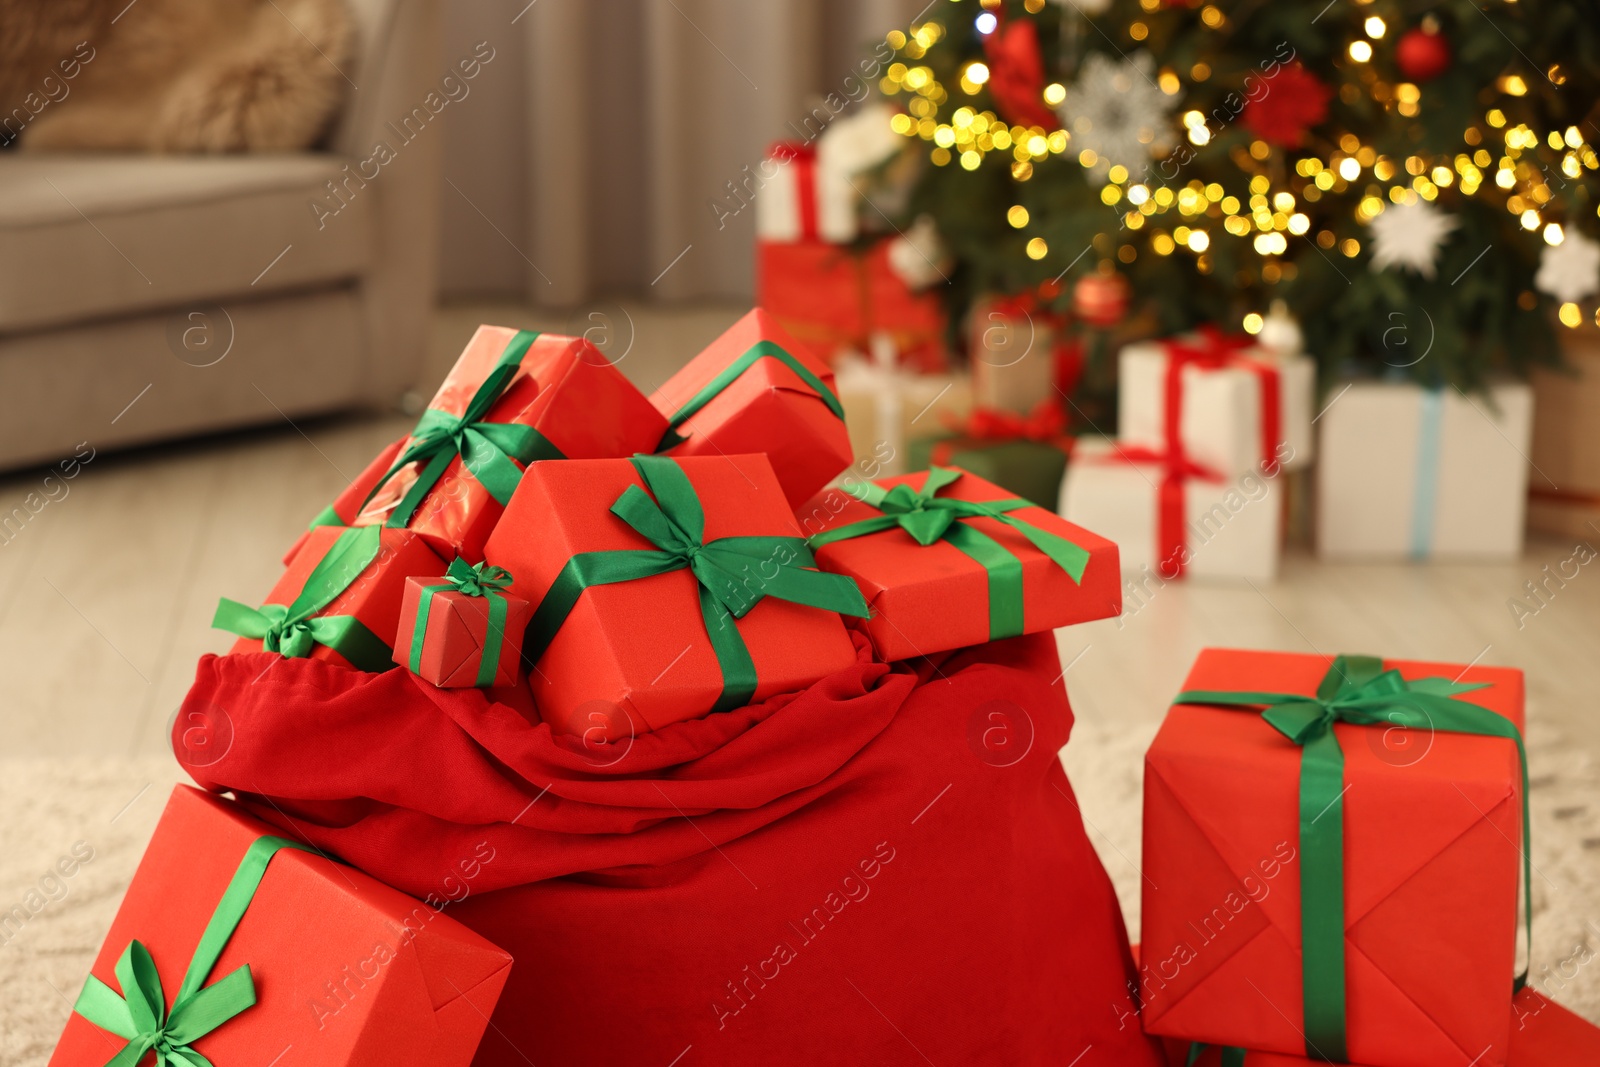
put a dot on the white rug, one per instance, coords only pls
(59, 811)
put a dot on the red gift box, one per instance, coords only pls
(345, 506)
(462, 631)
(1543, 1034)
(982, 577)
(813, 290)
(755, 389)
(344, 970)
(1431, 821)
(368, 565)
(637, 651)
(576, 402)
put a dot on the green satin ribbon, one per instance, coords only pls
(928, 518)
(295, 630)
(139, 1012)
(1356, 689)
(674, 521)
(469, 580)
(326, 517)
(1230, 1057)
(487, 449)
(758, 351)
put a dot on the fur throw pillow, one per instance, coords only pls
(171, 75)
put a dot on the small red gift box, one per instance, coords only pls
(524, 397)
(666, 589)
(948, 560)
(339, 600)
(755, 389)
(345, 506)
(237, 946)
(1358, 887)
(462, 630)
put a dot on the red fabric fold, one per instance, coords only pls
(906, 832)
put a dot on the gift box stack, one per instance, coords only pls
(1206, 425)
(606, 563)
(1336, 868)
(858, 295)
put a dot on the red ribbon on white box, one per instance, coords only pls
(1211, 349)
(801, 157)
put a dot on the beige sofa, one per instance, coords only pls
(144, 297)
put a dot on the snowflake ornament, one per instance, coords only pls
(1410, 236)
(1116, 110)
(1570, 270)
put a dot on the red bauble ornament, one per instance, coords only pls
(1101, 299)
(1293, 101)
(1423, 53)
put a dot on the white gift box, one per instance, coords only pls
(827, 174)
(1231, 526)
(1221, 422)
(886, 406)
(1423, 473)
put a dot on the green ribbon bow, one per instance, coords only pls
(470, 580)
(674, 521)
(294, 630)
(1230, 1056)
(1356, 689)
(928, 518)
(758, 351)
(139, 1012)
(487, 449)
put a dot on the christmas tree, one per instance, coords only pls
(1416, 181)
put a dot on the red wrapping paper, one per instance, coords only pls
(635, 883)
(347, 971)
(832, 299)
(766, 409)
(374, 597)
(812, 290)
(932, 598)
(1543, 1034)
(634, 656)
(458, 633)
(1432, 866)
(569, 392)
(348, 503)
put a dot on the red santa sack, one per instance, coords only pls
(888, 868)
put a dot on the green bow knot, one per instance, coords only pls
(139, 1013)
(477, 579)
(732, 574)
(487, 449)
(1356, 690)
(928, 518)
(294, 630)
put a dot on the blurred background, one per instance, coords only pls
(241, 242)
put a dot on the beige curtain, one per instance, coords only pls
(588, 156)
